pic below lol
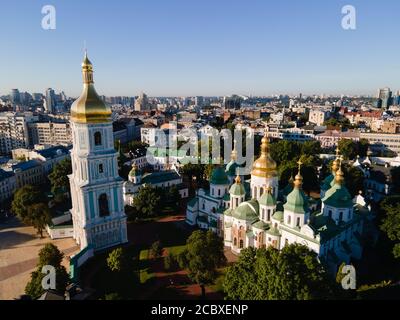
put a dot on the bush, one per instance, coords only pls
(170, 262)
(156, 250)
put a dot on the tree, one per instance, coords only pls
(354, 179)
(203, 255)
(391, 222)
(115, 260)
(395, 174)
(49, 255)
(30, 206)
(25, 197)
(38, 216)
(170, 262)
(59, 176)
(348, 148)
(294, 273)
(156, 250)
(147, 202)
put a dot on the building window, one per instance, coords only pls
(340, 216)
(97, 139)
(289, 219)
(241, 244)
(103, 206)
(269, 215)
(330, 214)
(101, 169)
(298, 222)
(235, 242)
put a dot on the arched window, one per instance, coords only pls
(289, 219)
(269, 215)
(340, 216)
(103, 206)
(97, 139)
(235, 242)
(298, 222)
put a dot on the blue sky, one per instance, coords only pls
(201, 47)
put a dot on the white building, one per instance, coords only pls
(97, 210)
(257, 214)
(318, 117)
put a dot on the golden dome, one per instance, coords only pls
(336, 162)
(89, 108)
(265, 166)
(339, 176)
(298, 181)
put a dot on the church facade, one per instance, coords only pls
(256, 213)
(97, 210)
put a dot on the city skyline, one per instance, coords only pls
(224, 48)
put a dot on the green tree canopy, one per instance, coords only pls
(294, 273)
(31, 208)
(201, 258)
(49, 255)
(115, 260)
(147, 202)
(391, 221)
(59, 176)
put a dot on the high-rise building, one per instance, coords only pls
(50, 101)
(15, 97)
(385, 97)
(142, 103)
(99, 220)
(50, 133)
(14, 132)
(199, 101)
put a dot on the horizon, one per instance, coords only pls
(202, 49)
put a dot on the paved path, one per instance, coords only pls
(19, 248)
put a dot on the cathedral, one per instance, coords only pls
(97, 210)
(256, 213)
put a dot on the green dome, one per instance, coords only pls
(278, 216)
(231, 168)
(296, 201)
(260, 225)
(267, 199)
(237, 189)
(248, 211)
(219, 176)
(338, 197)
(273, 232)
(328, 182)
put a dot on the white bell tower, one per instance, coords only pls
(96, 188)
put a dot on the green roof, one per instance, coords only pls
(273, 232)
(226, 197)
(231, 168)
(159, 177)
(248, 211)
(328, 182)
(338, 197)
(228, 212)
(192, 202)
(278, 216)
(219, 176)
(296, 201)
(267, 199)
(260, 225)
(237, 189)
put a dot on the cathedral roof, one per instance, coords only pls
(296, 201)
(248, 211)
(267, 199)
(218, 176)
(260, 225)
(264, 166)
(237, 188)
(89, 108)
(338, 196)
(278, 216)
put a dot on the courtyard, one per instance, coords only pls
(19, 248)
